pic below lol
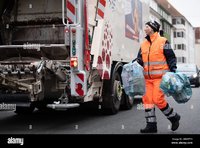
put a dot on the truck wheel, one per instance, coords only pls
(127, 102)
(112, 94)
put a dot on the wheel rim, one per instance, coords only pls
(117, 91)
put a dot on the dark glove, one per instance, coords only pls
(173, 70)
(134, 60)
(139, 61)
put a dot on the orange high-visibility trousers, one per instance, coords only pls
(153, 95)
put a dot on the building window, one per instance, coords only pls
(183, 34)
(180, 47)
(178, 21)
(183, 22)
(174, 34)
(173, 21)
(181, 59)
(183, 46)
(179, 34)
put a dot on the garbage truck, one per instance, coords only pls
(59, 54)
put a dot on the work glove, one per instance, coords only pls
(173, 70)
(134, 60)
(139, 61)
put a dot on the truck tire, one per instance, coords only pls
(112, 94)
(127, 102)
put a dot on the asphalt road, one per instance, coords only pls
(88, 121)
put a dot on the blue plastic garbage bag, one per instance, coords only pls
(176, 85)
(133, 79)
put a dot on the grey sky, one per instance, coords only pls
(190, 9)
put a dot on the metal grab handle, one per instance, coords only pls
(79, 14)
(63, 13)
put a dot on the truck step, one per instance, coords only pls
(63, 106)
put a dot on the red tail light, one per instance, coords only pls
(74, 62)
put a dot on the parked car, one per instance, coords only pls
(192, 72)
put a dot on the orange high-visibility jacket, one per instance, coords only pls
(155, 64)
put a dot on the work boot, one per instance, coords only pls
(150, 128)
(175, 121)
(172, 116)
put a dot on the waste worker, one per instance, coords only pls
(157, 57)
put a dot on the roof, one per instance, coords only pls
(169, 8)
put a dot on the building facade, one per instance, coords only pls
(184, 40)
(158, 13)
(197, 46)
(177, 29)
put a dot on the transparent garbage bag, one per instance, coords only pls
(133, 79)
(176, 85)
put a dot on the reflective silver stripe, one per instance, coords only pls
(151, 119)
(155, 63)
(156, 72)
(172, 114)
(150, 113)
(167, 110)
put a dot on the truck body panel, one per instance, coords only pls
(68, 51)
